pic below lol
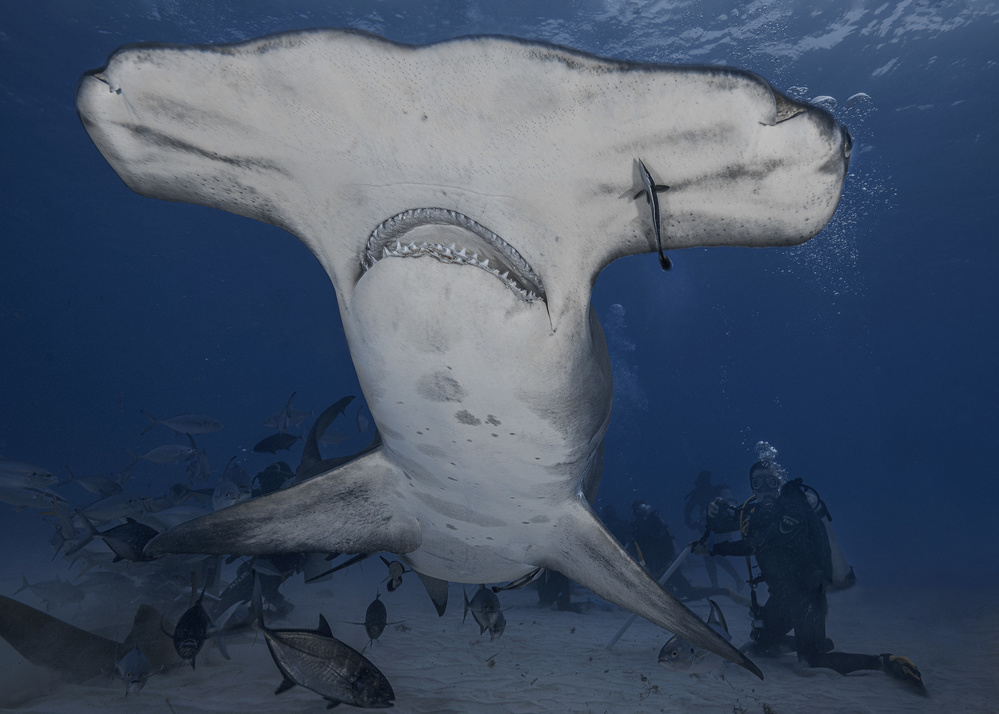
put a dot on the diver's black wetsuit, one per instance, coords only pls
(655, 541)
(695, 515)
(698, 500)
(792, 550)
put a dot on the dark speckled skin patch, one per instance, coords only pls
(440, 387)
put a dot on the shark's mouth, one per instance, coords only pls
(452, 237)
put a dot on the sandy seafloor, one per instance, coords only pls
(549, 661)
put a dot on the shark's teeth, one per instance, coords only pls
(385, 241)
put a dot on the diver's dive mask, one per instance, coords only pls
(765, 481)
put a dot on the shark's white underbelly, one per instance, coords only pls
(483, 415)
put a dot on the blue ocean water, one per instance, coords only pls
(865, 356)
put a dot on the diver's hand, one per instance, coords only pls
(698, 548)
(714, 507)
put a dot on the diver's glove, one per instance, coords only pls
(902, 668)
(698, 548)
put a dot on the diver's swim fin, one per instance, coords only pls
(903, 668)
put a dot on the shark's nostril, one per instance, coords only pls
(786, 108)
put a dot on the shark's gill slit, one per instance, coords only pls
(452, 237)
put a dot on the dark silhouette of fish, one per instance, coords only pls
(184, 423)
(127, 540)
(312, 460)
(53, 592)
(275, 443)
(375, 619)
(191, 631)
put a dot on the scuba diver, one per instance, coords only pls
(695, 516)
(654, 544)
(555, 589)
(782, 529)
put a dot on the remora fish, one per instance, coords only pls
(318, 661)
(652, 190)
(680, 655)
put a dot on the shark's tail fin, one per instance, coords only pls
(587, 553)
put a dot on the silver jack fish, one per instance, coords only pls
(680, 655)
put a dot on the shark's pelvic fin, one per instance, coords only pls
(351, 509)
(587, 553)
(437, 590)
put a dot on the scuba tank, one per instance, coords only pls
(843, 576)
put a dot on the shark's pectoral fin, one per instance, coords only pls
(587, 553)
(49, 642)
(147, 634)
(351, 509)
